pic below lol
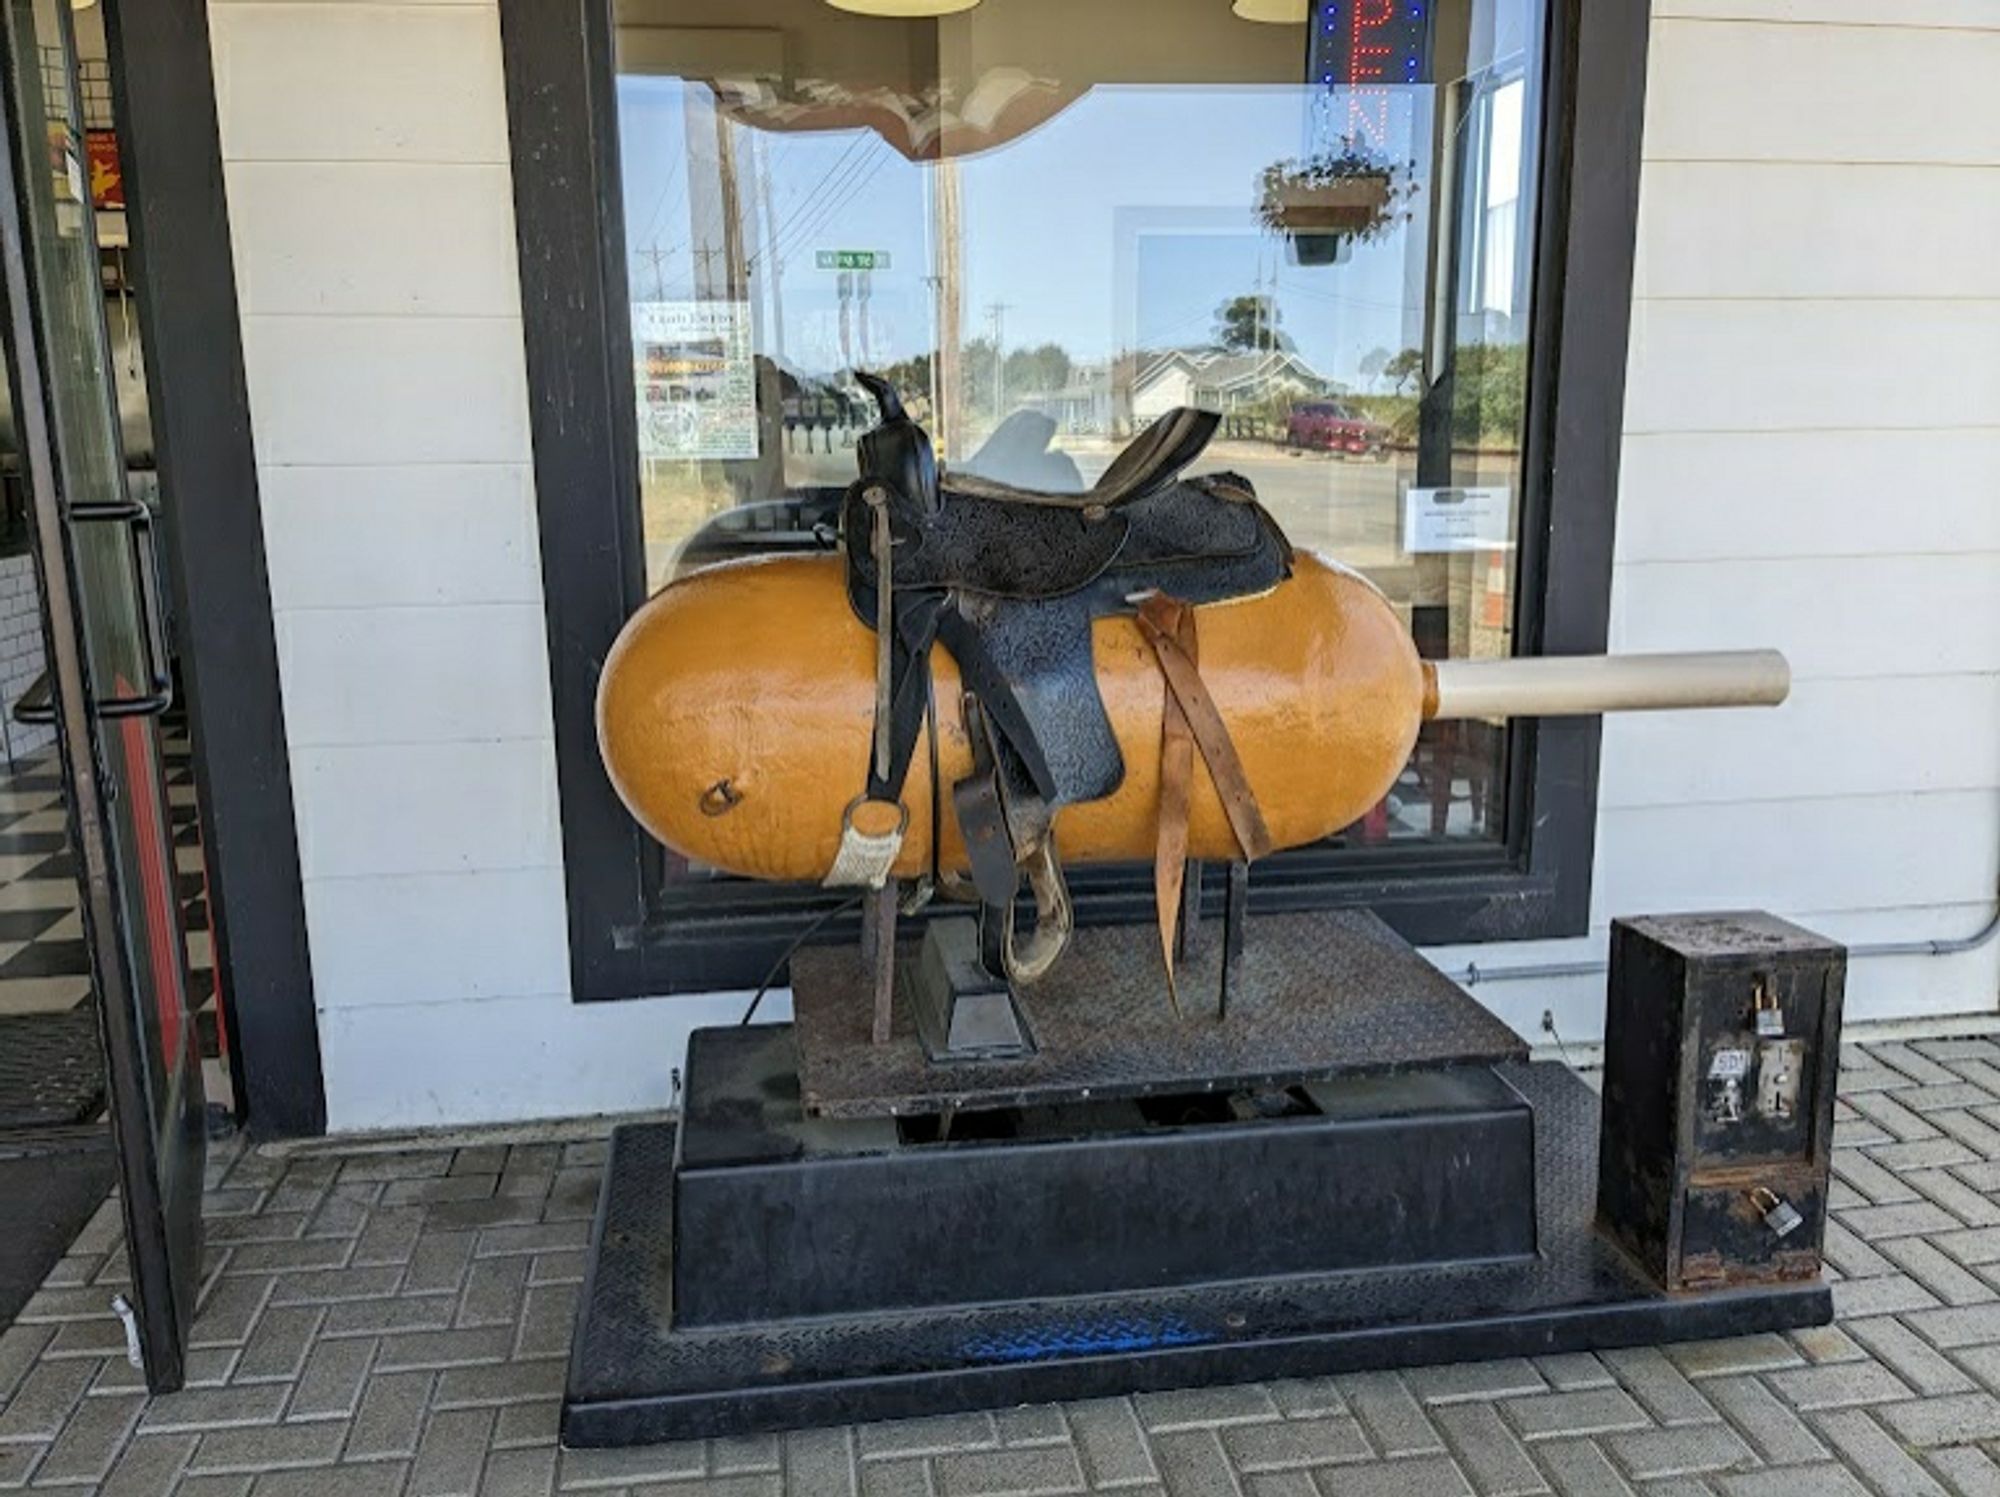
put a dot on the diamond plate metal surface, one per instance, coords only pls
(1321, 995)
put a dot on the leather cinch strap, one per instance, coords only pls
(1190, 719)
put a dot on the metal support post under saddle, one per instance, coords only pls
(1008, 580)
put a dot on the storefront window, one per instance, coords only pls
(1050, 224)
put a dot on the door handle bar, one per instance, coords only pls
(37, 705)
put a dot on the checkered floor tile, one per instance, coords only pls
(44, 965)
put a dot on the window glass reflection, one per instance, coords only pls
(1051, 222)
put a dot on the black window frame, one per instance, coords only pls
(561, 93)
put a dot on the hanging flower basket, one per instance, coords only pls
(1326, 204)
(1353, 206)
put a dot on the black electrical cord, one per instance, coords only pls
(790, 951)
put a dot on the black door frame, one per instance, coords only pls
(163, 93)
(164, 1244)
(562, 119)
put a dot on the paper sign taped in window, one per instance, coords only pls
(1457, 519)
(696, 379)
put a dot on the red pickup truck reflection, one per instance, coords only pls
(1329, 426)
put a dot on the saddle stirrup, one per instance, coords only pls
(1055, 918)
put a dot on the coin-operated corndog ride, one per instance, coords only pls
(1003, 1159)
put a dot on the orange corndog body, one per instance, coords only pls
(736, 712)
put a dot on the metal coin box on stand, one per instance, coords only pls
(1356, 1167)
(1720, 1055)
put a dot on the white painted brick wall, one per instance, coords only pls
(1809, 464)
(365, 153)
(1812, 438)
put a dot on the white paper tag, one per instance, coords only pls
(1729, 1065)
(864, 862)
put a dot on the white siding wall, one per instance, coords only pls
(365, 147)
(1812, 461)
(1812, 458)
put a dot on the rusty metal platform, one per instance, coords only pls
(1320, 995)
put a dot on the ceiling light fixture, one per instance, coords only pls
(1275, 12)
(903, 10)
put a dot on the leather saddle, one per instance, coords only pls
(1009, 580)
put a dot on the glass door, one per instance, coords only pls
(109, 670)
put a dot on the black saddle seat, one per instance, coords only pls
(1009, 579)
(995, 540)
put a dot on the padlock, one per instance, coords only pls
(1779, 1214)
(1768, 1016)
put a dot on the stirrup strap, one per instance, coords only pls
(883, 544)
(1176, 774)
(871, 843)
(1190, 719)
(982, 814)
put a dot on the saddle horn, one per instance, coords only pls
(896, 448)
(887, 400)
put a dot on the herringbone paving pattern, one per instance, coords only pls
(384, 1322)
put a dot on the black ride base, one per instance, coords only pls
(757, 1268)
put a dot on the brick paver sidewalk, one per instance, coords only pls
(396, 1322)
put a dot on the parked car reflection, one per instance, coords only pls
(1330, 426)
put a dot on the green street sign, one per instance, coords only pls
(851, 259)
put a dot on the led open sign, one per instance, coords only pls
(1372, 43)
(1364, 48)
